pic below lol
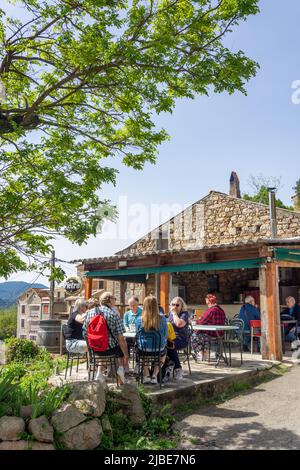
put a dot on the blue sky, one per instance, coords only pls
(211, 136)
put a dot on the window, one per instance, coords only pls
(23, 309)
(46, 309)
(58, 296)
(33, 338)
(23, 336)
(22, 323)
(34, 308)
(101, 285)
(162, 243)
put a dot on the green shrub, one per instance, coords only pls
(7, 384)
(8, 322)
(20, 350)
(154, 435)
(17, 370)
(146, 402)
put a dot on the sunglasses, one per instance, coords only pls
(175, 305)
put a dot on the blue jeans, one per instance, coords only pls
(247, 339)
(290, 337)
(76, 346)
(180, 343)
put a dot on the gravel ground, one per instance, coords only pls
(266, 417)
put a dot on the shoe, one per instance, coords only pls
(100, 377)
(294, 345)
(121, 375)
(147, 380)
(178, 374)
(154, 380)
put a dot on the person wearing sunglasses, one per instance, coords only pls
(179, 318)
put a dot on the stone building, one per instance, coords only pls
(34, 305)
(220, 244)
(216, 220)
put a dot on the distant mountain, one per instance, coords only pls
(11, 290)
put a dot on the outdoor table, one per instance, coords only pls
(217, 329)
(283, 323)
(129, 334)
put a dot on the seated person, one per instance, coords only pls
(90, 304)
(214, 315)
(248, 312)
(115, 327)
(172, 355)
(179, 318)
(151, 321)
(75, 343)
(292, 312)
(161, 310)
(135, 311)
(130, 318)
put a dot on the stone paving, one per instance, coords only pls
(205, 377)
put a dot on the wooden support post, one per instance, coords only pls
(88, 283)
(165, 291)
(270, 312)
(123, 287)
(157, 286)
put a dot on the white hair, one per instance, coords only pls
(79, 304)
(249, 299)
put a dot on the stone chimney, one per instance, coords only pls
(296, 202)
(235, 185)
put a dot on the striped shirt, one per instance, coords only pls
(114, 323)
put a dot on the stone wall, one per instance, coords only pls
(231, 285)
(230, 220)
(217, 219)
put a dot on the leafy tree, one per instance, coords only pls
(297, 195)
(80, 82)
(260, 185)
(8, 322)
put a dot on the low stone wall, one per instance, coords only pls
(209, 389)
(79, 424)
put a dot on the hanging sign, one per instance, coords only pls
(73, 285)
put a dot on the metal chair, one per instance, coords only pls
(255, 331)
(97, 359)
(235, 338)
(146, 358)
(71, 356)
(185, 352)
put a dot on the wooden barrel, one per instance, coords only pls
(48, 335)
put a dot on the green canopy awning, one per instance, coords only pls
(131, 273)
(287, 254)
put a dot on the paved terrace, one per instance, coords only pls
(206, 380)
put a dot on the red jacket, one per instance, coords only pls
(213, 316)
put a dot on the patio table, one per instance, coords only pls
(129, 334)
(217, 329)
